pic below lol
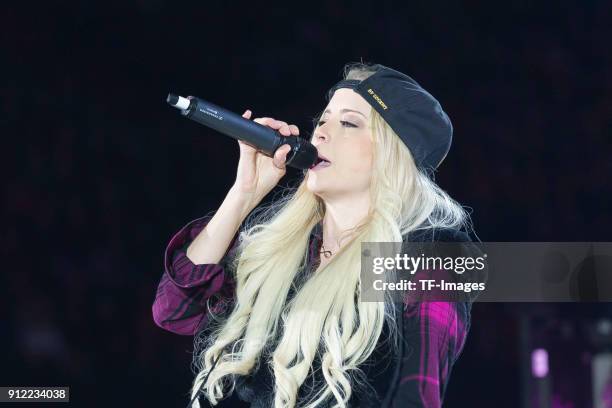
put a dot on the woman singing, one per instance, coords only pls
(276, 308)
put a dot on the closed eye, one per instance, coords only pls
(343, 122)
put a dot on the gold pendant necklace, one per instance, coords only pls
(326, 252)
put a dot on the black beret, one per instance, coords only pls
(412, 112)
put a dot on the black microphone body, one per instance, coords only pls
(303, 154)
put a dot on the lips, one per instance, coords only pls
(322, 161)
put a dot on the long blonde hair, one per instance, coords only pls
(326, 315)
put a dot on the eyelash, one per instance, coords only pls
(319, 123)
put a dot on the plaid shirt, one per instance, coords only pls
(434, 332)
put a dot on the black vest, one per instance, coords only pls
(374, 390)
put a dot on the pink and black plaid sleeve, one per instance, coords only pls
(180, 304)
(435, 333)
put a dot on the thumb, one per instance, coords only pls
(280, 157)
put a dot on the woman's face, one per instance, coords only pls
(343, 136)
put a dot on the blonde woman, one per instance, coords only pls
(274, 300)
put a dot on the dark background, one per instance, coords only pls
(101, 171)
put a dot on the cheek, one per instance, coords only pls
(358, 156)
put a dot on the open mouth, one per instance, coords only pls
(320, 163)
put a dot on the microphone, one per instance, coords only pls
(302, 155)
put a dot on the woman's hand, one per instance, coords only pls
(257, 173)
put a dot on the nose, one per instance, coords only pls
(319, 137)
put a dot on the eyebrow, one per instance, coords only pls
(345, 110)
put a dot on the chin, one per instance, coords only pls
(315, 186)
